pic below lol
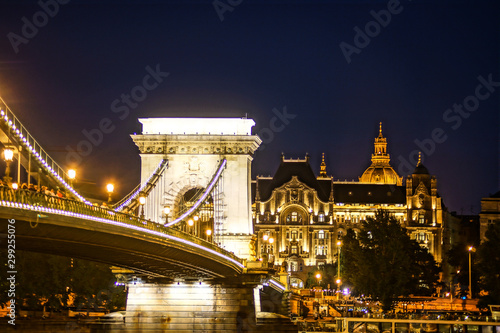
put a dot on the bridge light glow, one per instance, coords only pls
(71, 174)
(110, 188)
(190, 222)
(8, 154)
(209, 232)
(142, 200)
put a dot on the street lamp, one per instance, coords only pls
(110, 188)
(166, 210)
(71, 176)
(271, 241)
(471, 249)
(142, 202)
(339, 244)
(190, 224)
(318, 277)
(209, 233)
(8, 155)
(267, 240)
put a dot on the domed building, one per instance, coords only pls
(381, 171)
(300, 219)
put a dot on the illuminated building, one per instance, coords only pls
(307, 215)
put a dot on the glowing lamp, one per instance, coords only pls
(71, 174)
(142, 200)
(110, 188)
(265, 238)
(209, 232)
(8, 154)
(15, 186)
(271, 240)
(166, 210)
(190, 222)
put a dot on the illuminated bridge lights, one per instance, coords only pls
(136, 193)
(119, 224)
(39, 157)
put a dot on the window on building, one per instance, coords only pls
(294, 217)
(294, 234)
(421, 219)
(321, 234)
(421, 236)
(321, 217)
(295, 249)
(300, 235)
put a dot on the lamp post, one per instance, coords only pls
(471, 249)
(190, 224)
(209, 233)
(142, 201)
(338, 281)
(318, 278)
(71, 176)
(166, 211)
(271, 241)
(196, 229)
(8, 155)
(267, 240)
(110, 188)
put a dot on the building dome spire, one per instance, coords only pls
(381, 171)
(322, 168)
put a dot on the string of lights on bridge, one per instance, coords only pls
(32, 149)
(46, 210)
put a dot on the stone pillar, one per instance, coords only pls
(190, 308)
(194, 148)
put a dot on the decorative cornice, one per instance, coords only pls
(197, 144)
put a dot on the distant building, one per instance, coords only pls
(300, 218)
(490, 213)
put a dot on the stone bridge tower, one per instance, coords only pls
(194, 148)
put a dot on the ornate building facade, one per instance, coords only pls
(300, 218)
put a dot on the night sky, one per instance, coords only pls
(334, 68)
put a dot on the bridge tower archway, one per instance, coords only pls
(194, 148)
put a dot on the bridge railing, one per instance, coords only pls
(20, 134)
(45, 203)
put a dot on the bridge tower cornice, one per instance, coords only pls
(197, 144)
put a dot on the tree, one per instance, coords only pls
(48, 281)
(382, 261)
(488, 266)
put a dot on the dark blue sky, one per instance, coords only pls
(267, 55)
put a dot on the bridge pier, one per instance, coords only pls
(195, 307)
